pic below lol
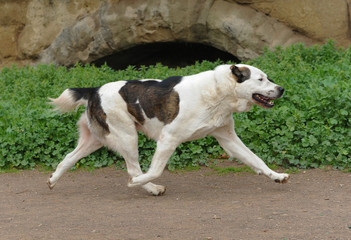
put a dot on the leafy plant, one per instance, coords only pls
(308, 127)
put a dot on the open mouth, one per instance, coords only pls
(263, 101)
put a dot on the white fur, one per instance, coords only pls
(65, 103)
(207, 101)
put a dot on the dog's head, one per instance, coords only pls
(254, 85)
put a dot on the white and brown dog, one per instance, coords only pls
(170, 111)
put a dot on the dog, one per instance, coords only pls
(170, 111)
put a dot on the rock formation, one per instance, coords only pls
(65, 32)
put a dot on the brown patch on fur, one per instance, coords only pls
(96, 113)
(155, 99)
(240, 73)
(130, 93)
(71, 99)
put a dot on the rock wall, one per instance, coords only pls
(27, 27)
(316, 19)
(64, 32)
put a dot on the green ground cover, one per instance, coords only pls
(308, 127)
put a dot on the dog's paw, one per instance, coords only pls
(157, 190)
(283, 178)
(51, 185)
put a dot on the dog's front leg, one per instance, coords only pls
(232, 144)
(165, 148)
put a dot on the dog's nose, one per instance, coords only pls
(280, 90)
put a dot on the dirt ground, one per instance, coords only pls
(315, 204)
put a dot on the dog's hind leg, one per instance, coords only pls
(87, 144)
(134, 170)
(231, 143)
(164, 150)
(124, 140)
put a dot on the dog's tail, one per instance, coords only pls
(72, 98)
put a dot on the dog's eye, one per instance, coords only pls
(260, 79)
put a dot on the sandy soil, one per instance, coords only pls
(315, 204)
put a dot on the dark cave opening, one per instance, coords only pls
(171, 54)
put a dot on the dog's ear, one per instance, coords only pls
(241, 73)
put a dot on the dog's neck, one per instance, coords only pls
(242, 105)
(221, 100)
(226, 88)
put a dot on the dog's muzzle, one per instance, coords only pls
(265, 101)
